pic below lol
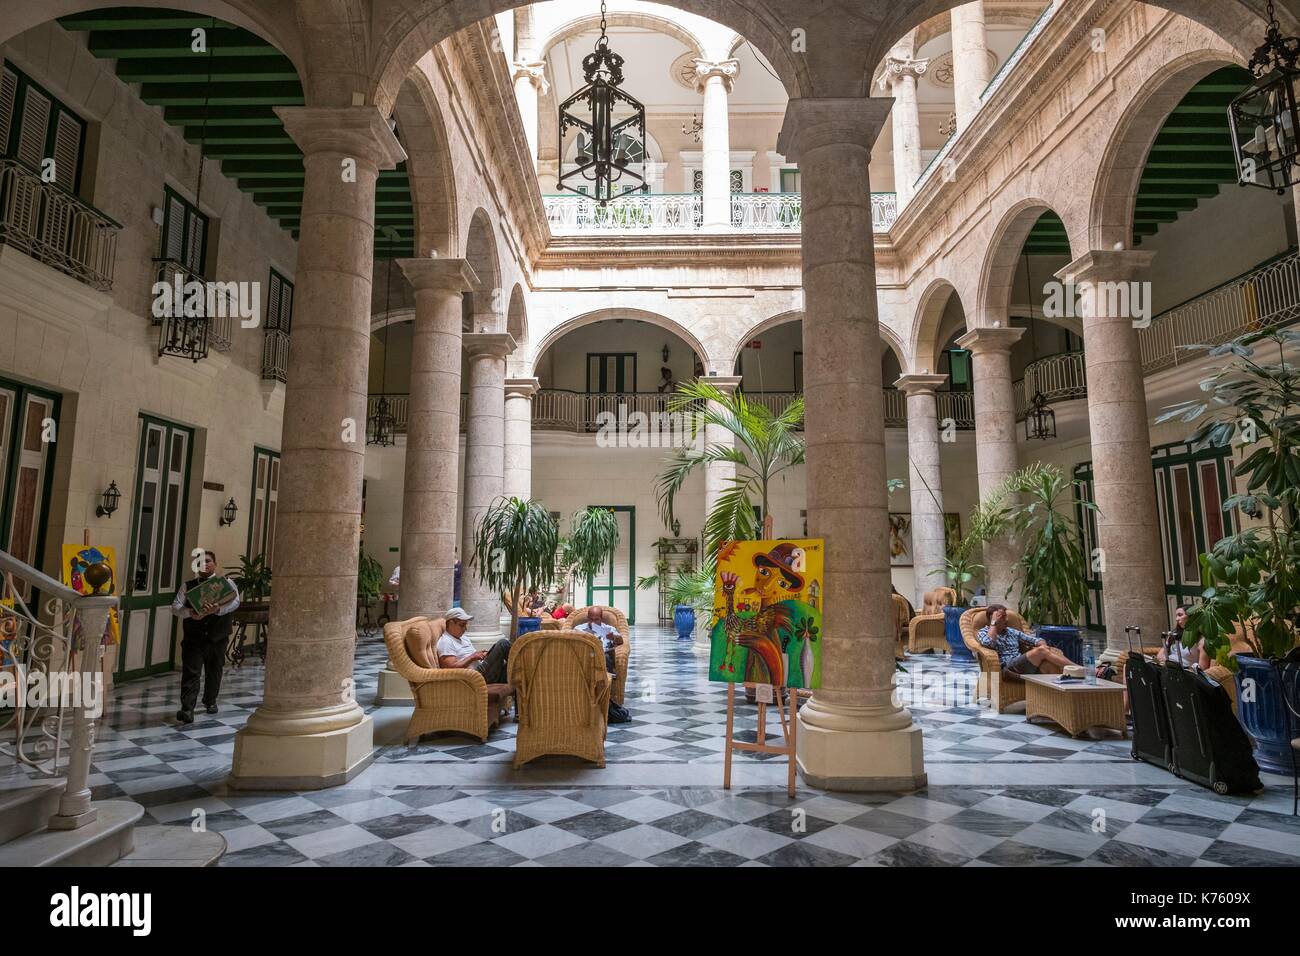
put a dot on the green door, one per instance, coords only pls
(614, 585)
(28, 438)
(154, 567)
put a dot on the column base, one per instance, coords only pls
(393, 689)
(860, 760)
(302, 761)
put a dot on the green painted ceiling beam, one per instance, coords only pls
(194, 68)
(246, 151)
(135, 18)
(1184, 188)
(269, 136)
(253, 183)
(223, 116)
(154, 43)
(265, 169)
(223, 94)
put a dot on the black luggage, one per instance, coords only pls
(1210, 746)
(1144, 678)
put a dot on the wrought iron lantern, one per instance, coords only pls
(380, 426)
(612, 141)
(108, 501)
(228, 513)
(1040, 420)
(184, 336)
(1264, 120)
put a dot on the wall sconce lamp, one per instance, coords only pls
(228, 513)
(108, 501)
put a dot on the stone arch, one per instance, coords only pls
(517, 316)
(601, 315)
(927, 325)
(1114, 193)
(481, 254)
(423, 24)
(993, 300)
(429, 166)
(887, 335)
(620, 18)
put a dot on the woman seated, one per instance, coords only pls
(1173, 651)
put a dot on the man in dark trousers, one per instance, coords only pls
(203, 646)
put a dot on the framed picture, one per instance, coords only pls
(900, 540)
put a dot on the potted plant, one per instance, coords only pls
(370, 578)
(252, 577)
(690, 591)
(514, 548)
(1252, 578)
(1051, 572)
(590, 544)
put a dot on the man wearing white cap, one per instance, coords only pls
(454, 650)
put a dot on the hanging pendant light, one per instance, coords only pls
(612, 140)
(181, 334)
(380, 425)
(1264, 120)
(1040, 420)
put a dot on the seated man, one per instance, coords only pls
(1019, 653)
(454, 650)
(607, 634)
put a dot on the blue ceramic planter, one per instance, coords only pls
(527, 624)
(1064, 637)
(952, 633)
(1265, 717)
(684, 621)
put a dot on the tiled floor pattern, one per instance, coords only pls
(1003, 791)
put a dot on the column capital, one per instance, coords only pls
(726, 384)
(897, 67)
(707, 69)
(495, 344)
(990, 339)
(358, 131)
(522, 387)
(811, 122)
(1106, 265)
(532, 70)
(916, 383)
(446, 275)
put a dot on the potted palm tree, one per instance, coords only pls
(1051, 572)
(962, 570)
(592, 540)
(1251, 579)
(514, 548)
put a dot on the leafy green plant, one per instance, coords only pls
(253, 578)
(690, 586)
(1251, 578)
(961, 566)
(592, 539)
(1051, 572)
(370, 577)
(765, 445)
(514, 548)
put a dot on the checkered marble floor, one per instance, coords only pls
(1002, 791)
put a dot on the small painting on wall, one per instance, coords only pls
(900, 540)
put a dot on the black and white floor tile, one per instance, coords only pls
(1002, 791)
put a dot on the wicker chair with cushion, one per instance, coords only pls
(548, 623)
(901, 617)
(563, 695)
(999, 685)
(925, 632)
(446, 698)
(617, 619)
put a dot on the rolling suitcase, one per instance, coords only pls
(1210, 747)
(1144, 678)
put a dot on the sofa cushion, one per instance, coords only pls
(420, 644)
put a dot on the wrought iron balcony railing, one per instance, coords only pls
(275, 355)
(55, 227)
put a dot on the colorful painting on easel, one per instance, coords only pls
(767, 613)
(89, 570)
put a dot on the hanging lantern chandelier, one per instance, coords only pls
(1040, 420)
(612, 140)
(380, 425)
(1264, 120)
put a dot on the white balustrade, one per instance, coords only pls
(572, 214)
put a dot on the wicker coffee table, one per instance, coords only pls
(1075, 705)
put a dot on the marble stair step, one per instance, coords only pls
(105, 840)
(26, 808)
(174, 846)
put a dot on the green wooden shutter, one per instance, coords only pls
(68, 135)
(33, 128)
(286, 306)
(8, 96)
(174, 230)
(273, 302)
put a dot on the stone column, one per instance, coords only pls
(309, 732)
(484, 472)
(718, 475)
(1132, 568)
(925, 481)
(852, 734)
(429, 489)
(970, 59)
(518, 455)
(530, 83)
(715, 78)
(899, 78)
(996, 454)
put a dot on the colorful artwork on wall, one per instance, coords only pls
(89, 569)
(767, 615)
(900, 540)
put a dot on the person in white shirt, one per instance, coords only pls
(607, 634)
(1173, 651)
(455, 650)
(396, 580)
(205, 633)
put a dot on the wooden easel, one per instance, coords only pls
(789, 731)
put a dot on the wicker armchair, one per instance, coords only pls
(926, 630)
(446, 698)
(901, 616)
(612, 616)
(563, 695)
(997, 684)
